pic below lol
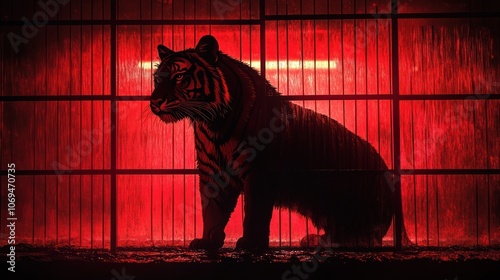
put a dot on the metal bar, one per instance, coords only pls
(384, 16)
(398, 212)
(438, 97)
(140, 22)
(10, 22)
(187, 171)
(55, 98)
(327, 17)
(447, 15)
(113, 214)
(262, 15)
(407, 172)
(307, 97)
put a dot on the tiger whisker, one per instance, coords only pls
(199, 111)
(190, 117)
(146, 109)
(204, 113)
(146, 114)
(187, 112)
(209, 112)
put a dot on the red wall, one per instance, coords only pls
(323, 57)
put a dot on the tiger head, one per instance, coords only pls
(188, 84)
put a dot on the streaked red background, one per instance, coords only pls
(328, 59)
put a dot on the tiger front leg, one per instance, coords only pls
(259, 202)
(217, 206)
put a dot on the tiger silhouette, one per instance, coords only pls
(276, 153)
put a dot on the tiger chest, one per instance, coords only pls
(213, 156)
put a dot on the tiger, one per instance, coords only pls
(277, 154)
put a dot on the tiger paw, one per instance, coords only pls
(205, 244)
(252, 244)
(310, 241)
(314, 240)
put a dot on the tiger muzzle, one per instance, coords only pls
(155, 106)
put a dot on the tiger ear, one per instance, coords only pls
(164, 51)
(208, 48)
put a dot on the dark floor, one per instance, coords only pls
(177, 263)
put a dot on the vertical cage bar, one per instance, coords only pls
(262, 17)
(398, 217)
(113, 217)
(262, 24)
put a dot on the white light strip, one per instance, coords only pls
(273, 65)
(297, 64)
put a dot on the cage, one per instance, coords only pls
(98, 187)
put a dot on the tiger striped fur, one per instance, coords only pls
(276, 153)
